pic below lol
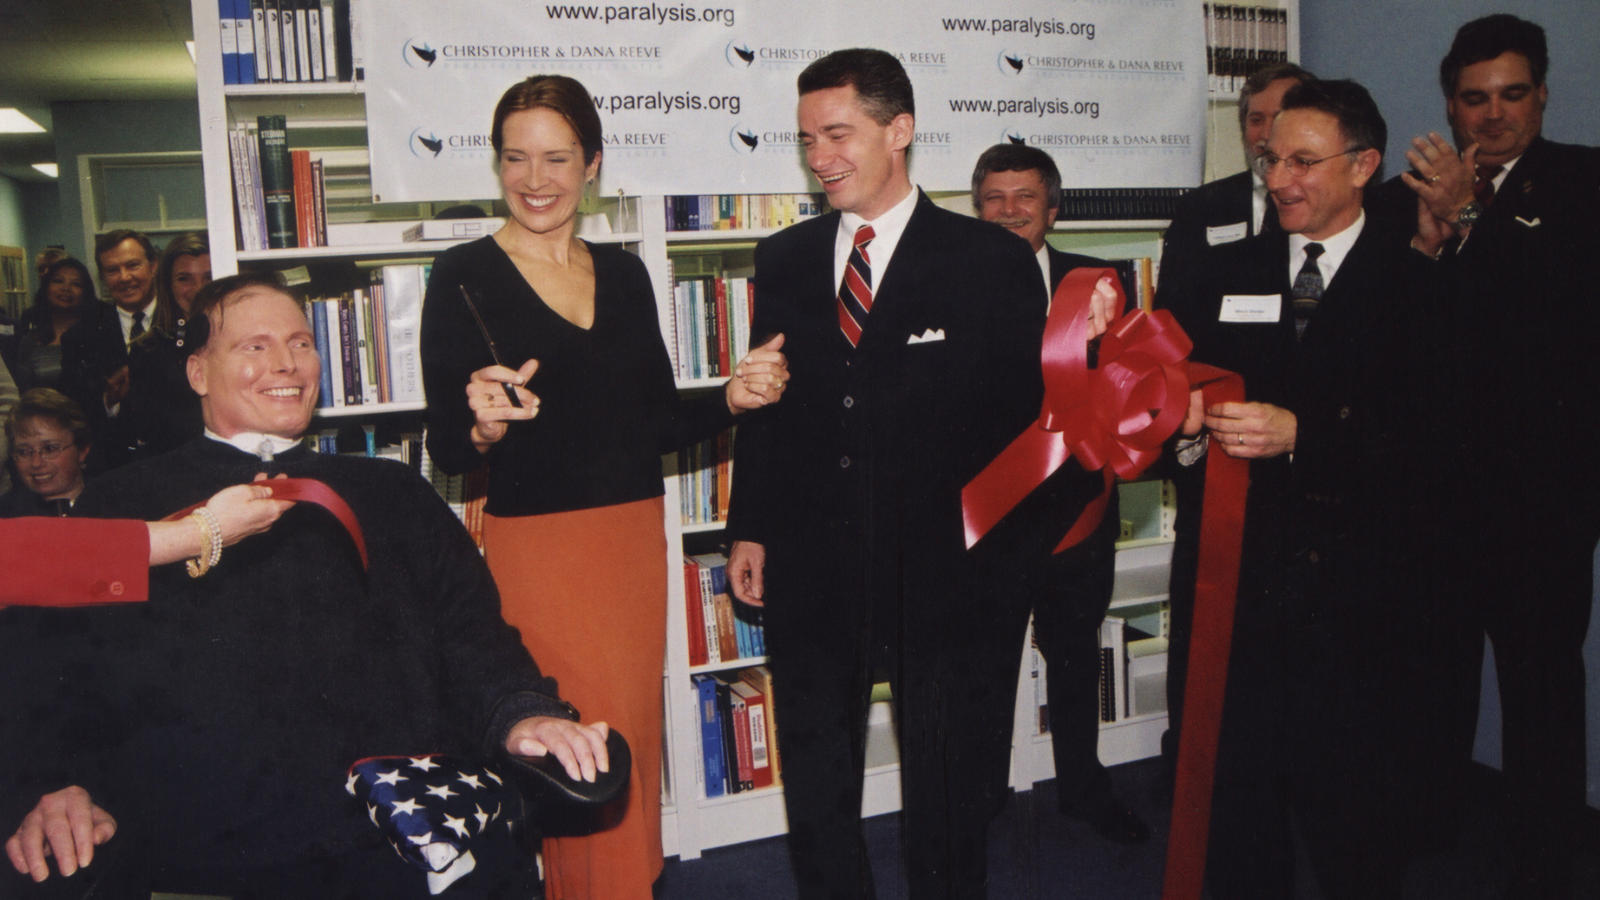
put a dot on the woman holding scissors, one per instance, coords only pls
(573, 425)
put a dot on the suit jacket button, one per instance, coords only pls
(849, 402)
(844, 462)
(1344, 412)
(117, 589)
(1313, 556)
(99, 589)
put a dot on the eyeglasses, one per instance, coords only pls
(1298, 166)
(46, 451)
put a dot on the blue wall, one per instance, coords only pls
(1393, 47)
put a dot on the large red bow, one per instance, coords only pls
(306, 490)
(1112, 418)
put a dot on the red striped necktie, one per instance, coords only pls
(855, 291)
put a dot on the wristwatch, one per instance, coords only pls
(1468, 215)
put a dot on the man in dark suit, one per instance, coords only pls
(1321, 714)
(1512, 216)
(1019, 187)
(1217, 213)
(846, 506)
(94, 352)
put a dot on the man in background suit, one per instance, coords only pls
(846, 505)
(94, 352)
(1512, 218)
(1019, 187)
(1322, 710)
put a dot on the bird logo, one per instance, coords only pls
(420, 54)
(430, 142)
(1009, 65)
(743, 140)
(1015, 138)
(740, 56)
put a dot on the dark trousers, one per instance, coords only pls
(825, 644)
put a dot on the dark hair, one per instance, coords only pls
(881, 83)
(1018, 158)
(1263, 78)
(190, 243)
(49, 403)
(564, 96)
(1360, 123)
(39, 321)
(1488, 37)
(205, 310)
(111, 239)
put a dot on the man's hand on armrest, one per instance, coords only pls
(580, 748)
(66, 825)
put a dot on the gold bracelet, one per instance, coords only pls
(210, 542)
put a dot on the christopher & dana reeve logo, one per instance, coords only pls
(419, 55)
(427, 144)
(1010, 63)
(743, 140)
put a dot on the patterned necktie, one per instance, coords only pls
(1483, 187)
(138, 326)
(1307, 289)
(855, 291)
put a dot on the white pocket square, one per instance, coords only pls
(1531, 224)
(929, 335)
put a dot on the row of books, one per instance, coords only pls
(1240, 40)
(280, 194)
(1138, 281)
(286, 41)
(705, 478)
(711, 324)
(369, 339)
(727, 212)
(1099, 204)
(464, 494)
(721, 630)
(738, 740)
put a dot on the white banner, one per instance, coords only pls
(699, 99)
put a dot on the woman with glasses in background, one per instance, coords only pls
(49, 438)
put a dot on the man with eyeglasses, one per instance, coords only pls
(49, 439)
(1315, 318)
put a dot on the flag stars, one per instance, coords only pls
(481, 816)
(442, 791)
(459, 826)
(424, 763)
(392, 778)
(471, 781)
(409, 807)
(351, 782)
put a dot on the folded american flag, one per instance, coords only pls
(431, 808)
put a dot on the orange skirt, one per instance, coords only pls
(588, 591)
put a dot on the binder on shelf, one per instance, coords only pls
(712, 761)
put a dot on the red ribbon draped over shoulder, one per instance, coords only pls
(307, 490)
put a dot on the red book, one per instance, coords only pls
(755, 704)
(696, 618)
(724, 358)
(305, 219)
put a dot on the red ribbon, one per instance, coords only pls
(1216, 588)
(1115, 418)
(1112, 418)
(306, 490)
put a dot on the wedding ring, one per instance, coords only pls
(1434, 179)
(1241, 439)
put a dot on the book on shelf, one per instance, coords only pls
(760, 679)
(277, 181)
(735, 736)
(1102, 204)
(755, 704)
(729, 212)
(369, 339)
(711, 323)
(1240, 40)
(722, 630)
(705, 479)
(284, 41)
(713, 763)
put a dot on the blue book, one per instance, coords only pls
(230, 42)
(711, 736)
(319, 333)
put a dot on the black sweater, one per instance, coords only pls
(608, 407)
(223, 714)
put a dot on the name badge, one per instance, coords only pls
(1227, 234)
(1251, 308)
